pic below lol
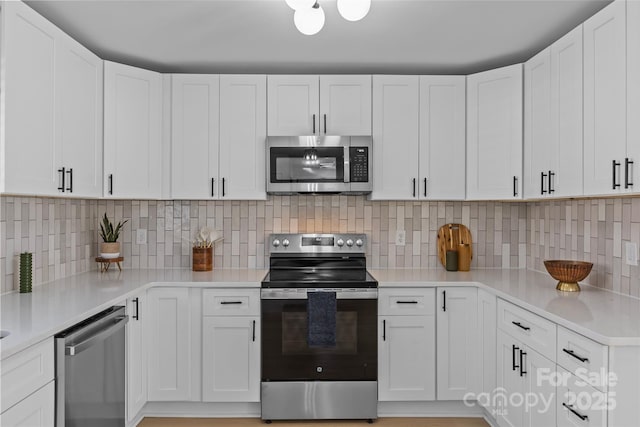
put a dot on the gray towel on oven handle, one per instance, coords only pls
(321, 319)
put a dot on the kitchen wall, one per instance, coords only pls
(594, 230)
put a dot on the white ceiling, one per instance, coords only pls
(258, 36)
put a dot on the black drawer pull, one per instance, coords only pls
(110, 184)
(444, 300)
(571, 353)
(384, 330)
(253, 338)
(230, 302)
(574, 412)
(522, 361)
(70, 172)
(542, 177)
(551, 182)
(519, 325)
(627, 163)
(615, 165)
(513, 357)
(137, 315)
(62, 174)
(406, 302)
(515, 186)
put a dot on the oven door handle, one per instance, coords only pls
(286, 294)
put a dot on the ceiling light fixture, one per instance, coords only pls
(309, 17)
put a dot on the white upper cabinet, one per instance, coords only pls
(633, 95)
(442, 138)
(396, 105)
(243, 134)
(319, 105)
(605, 76)
(494, 134)
(54, 82)
(132, 132)
(195, 115)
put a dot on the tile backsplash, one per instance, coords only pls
(63, 233)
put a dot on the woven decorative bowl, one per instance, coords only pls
(568, 273)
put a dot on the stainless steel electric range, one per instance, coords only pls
(319, 329)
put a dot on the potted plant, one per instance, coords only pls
(110, 247)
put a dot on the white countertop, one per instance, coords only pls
(55, 306)
(603, 316)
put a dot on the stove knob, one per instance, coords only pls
(285, 242)
(276, 243)
(349, 242)
(359, 243)
(340, 242)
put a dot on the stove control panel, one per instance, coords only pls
(318, 243)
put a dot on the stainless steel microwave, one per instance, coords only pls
(319, 164)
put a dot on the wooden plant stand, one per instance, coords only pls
(105, 263)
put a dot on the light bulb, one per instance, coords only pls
(300, 4)
(354, 10)
(309, 21)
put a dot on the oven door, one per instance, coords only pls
(286, 356)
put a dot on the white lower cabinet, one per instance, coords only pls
(406, 345)
(487, 349)
(136, 356)
(457, 342)
(231, 359)
(37, 410)
(579, 404)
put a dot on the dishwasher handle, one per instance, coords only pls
(101, 335)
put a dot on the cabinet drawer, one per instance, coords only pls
(407, 301)
(25, 372)
(582, 356)
(231, 302)
(579, 405)
(37, 410)
(533, 330)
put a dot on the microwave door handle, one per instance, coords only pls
(347, 172)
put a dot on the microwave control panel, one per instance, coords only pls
(359, 164)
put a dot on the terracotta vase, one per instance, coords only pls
(109, 250)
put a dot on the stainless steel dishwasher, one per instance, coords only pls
(90, 371)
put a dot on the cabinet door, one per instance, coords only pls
(494, 134)
(605, 100)
(395, 137)
(79, 116)
(293, 107)
(345, 105)
(27, 145)
(243, 133)
(509, 382)
(132, 132)
(195, 115)
(633, 93)
(136, 356)
(457, 343)
(231, 359)
(169, 344)
(406, 358)
(543, 412)
(487, 326)
(537, 120)
(37, 410)
(566, 115)
(442, 137)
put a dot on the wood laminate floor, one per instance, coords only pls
(256, 422)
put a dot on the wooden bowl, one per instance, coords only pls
(568, 273)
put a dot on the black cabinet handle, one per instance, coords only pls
(406, 302)
(137, 315)
(213, 185)
(574, 412)
(111, 183)
(253, 334)
(519, 325)
(542, 177)
(513, 357)
(627, 183)
(230, 302)
(325, 124)
(615, 164)
(551, 186)
(414, 187)
(62, 173)
(314, 124)
(425, 187)
(384, 330)
(70, 172)
(515, 186)
(444, 300)
(571, 353)
(223, 190)
(522, 371)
